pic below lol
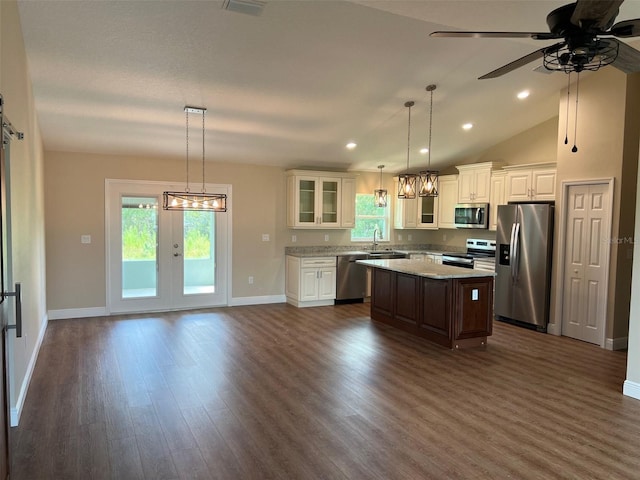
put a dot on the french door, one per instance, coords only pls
(163, 260)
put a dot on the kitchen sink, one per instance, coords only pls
(385, 254)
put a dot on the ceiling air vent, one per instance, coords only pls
(250, 7)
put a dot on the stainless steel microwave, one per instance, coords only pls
(472, 215)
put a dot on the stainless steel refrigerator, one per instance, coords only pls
(524, 242)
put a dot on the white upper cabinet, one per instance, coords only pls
(320, 199)
(474, 182)
(427, 212)
(405, 211)
(447, 199)
(527, 183)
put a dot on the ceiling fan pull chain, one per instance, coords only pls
(566, 125)
(575, 131)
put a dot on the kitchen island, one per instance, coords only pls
(451, 306)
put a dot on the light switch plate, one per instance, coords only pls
(265, 237)
(85, 239)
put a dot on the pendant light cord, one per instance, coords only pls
(408, 104)
(187, 123)
(575, 129)
(431, 88)
(566, 125)
(203, 190)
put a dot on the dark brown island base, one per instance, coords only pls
(451, 306)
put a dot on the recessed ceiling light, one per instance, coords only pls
(424, 151)
(523, 94)
(467, 126)
(351, 145)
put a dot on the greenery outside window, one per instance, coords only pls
(368, 216)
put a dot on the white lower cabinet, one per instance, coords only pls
(310, 281)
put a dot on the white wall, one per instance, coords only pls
(27, 202)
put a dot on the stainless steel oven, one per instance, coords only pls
(472, 215)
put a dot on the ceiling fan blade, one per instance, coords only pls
(520, 62)
(628, 59)
(534, 35)
(626, 28)
(595, 15)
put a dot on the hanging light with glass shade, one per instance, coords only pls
(407, 181)
(380, 195)
(203, 201)
(428, 177)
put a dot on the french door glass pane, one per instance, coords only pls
(199, 253)
(139, 247)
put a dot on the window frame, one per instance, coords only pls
(386, 217)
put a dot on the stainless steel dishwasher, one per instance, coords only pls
(351, 278)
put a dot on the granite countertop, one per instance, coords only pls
(422, 269)
(333, 251)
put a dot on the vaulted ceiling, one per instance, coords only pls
(289, 87)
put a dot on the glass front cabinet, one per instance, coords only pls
(317, 201)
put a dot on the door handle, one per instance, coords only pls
(177, 254)
(18, 295)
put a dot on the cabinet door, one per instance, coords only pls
(519, 186)
(303, 210)
(543, 184)
(329, 201)
(436, 313)
(497, 197)
(482, 185)
(466, 186)
(448, 197)
(405, 213)
(427, 212)
(308, 284)
(348, 219)
(327, 283)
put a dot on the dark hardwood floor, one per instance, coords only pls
(278, 392)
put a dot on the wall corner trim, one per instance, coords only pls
(260, 300)
(77, 313)
(16, 411)
(620, 343)
(631, 389)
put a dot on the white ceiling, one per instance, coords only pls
(290, 87)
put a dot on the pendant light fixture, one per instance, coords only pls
(407, 181)
(428, 177)
(380, 195)
(203, 201)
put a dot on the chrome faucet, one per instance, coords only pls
(376, 229)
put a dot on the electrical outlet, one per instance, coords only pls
(265, 237)
(399, 237)
(326, 238)
(294, 238)
(474, 294)
(444, 237)
(250, 280)
(409, 237)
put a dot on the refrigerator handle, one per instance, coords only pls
(511, 252)
(515, 259)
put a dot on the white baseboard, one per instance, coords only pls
(77, 313)
(16, 411)
(238, 301)
(631, 389)
(621, 343)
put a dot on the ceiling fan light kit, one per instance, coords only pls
(580, 26)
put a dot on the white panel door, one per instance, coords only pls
(585, 288)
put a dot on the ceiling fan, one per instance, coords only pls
(580, 25)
